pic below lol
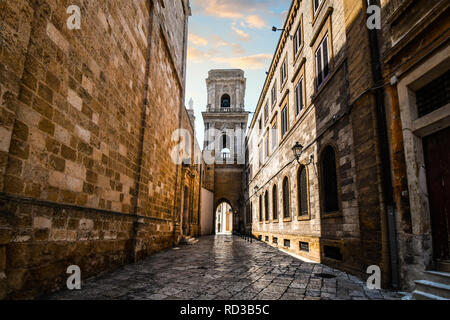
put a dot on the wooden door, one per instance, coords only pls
(437, 161)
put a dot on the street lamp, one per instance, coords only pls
(297, 149)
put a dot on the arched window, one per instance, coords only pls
(266, 205)
(302, 192)
(275, 202)
(260, 209)
(286, 199)
(225, 101)
(329, 181)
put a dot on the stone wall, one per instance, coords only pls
(330, 118)
(86, 122)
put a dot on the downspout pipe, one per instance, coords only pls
(388, 189)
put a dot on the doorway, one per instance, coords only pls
(224, 219)
(437, 160)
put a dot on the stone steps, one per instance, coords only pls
(427, 290)
(188, 241)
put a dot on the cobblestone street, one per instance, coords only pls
(224, 268)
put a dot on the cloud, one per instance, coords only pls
(243, 36)
(197, 40)
(255, 22)
(237, 49)
(235, 9)
(254, 62)
(196, 55)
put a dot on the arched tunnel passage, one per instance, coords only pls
(223, 218)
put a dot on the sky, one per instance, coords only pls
(231, 34)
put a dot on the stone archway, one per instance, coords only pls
(223, 217)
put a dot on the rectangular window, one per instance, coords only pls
(266, 112)
(275, 240)
(274, 137)
(287, 243)
(261, 156)
(267, 238)
(274, 94)
(299, 104)
(284, 121)
(297, 40)
(304, 246)
(322, 61)
(317, 4)
(283, 72)
(266, 145)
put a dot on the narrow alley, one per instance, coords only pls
(224, 268)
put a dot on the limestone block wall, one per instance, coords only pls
(76, 109)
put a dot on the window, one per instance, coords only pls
(329, 181)
(261, 156)
(274, 137)
(287, 243)
(267, 239)
(275, 240)
(283, 72)
(275, 203)
(284, 121)
(299, 104)
(266, 112)
(225, 102)
(302, 189)
(260, 209)
(434, 95)
(297, 40)
(332, 253)
(286, 200)
(274, 94)
(322, 61)
(260, 124)
(266, 205)
(266, 145)
(304, 246)
(317, 4)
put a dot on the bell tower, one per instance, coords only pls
(225, 118)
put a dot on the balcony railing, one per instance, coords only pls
(209, 108)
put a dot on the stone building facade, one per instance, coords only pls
(415, 54)
(87, 117)
(329, 205)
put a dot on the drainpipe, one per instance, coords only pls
(388, 189)
(142, 137)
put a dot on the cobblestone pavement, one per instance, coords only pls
(224, 268)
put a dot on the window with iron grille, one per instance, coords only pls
(322, 61)
(275, 203)
(284, 121)
(286, 198)
(329, 181)
(302, 185)
(434, 95)
(299, 105)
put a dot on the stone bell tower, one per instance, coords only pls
(225, 118)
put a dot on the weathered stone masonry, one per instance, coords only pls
(73, 137)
